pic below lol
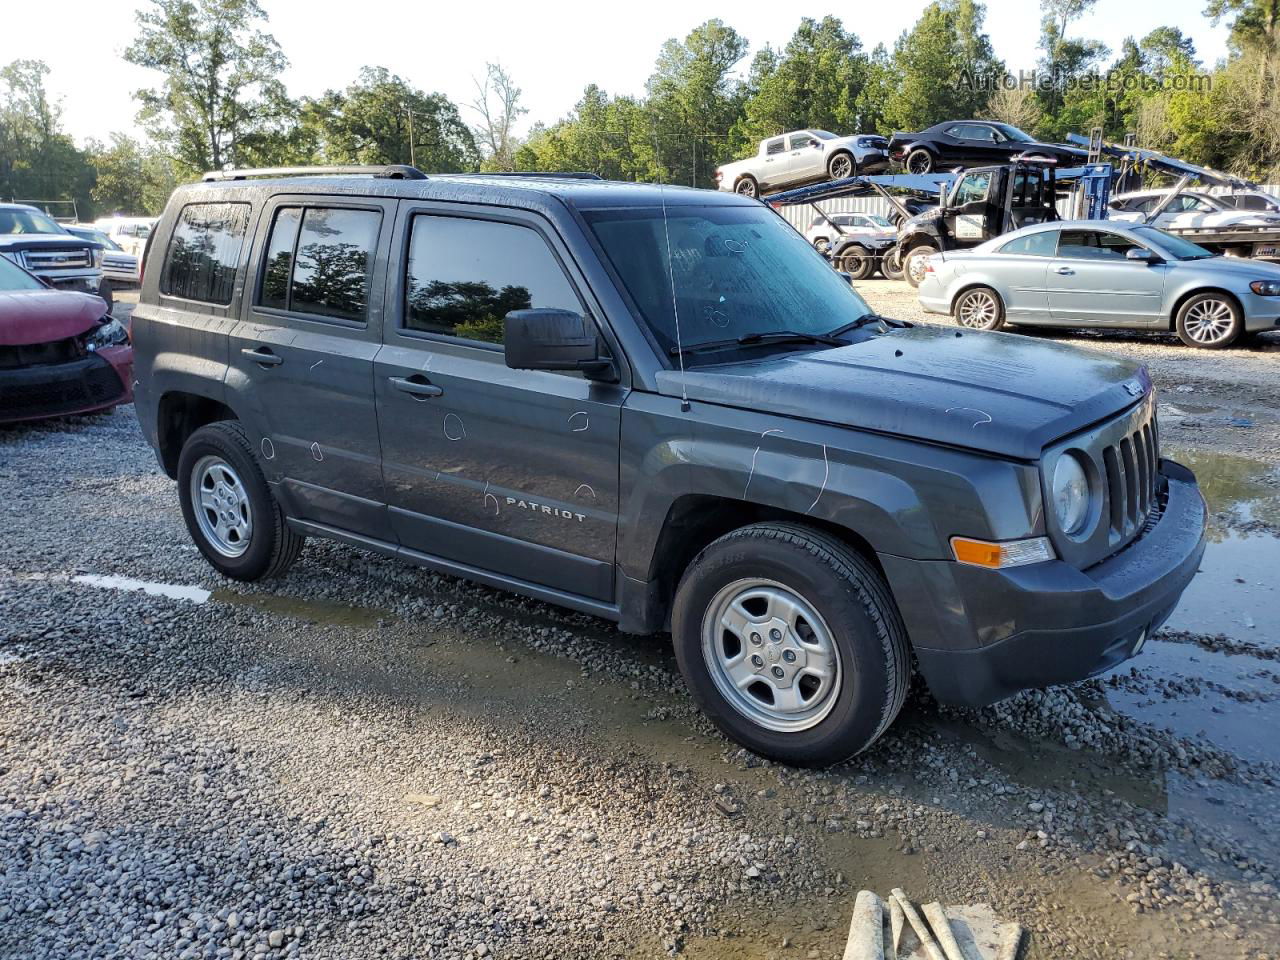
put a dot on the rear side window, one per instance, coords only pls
(204, 252)
(1042, 244)
(775, 146)
(465, 276)
(318, 261)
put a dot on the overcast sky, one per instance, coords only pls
(552, 50)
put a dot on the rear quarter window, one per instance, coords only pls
(204, 252)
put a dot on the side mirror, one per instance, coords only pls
(554, 339)
(815, 143)
(1142, 256)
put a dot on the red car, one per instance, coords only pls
(60, 352)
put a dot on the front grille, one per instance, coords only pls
(119, 263)
(1131, 468)
(40, 354)
(87, 383)
(73, 259)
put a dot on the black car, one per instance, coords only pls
(965, 143)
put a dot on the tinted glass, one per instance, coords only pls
(800, 140)
(1094, 245)
(1042, 244)
(332, 264)
(775, 146)
(13, 277)
(465, 276)
(957, 131)
(736, 270)
(204, 251)
(278, 258)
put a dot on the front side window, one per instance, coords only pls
(800, 140)
(1041, 244)
(1095, 245)
(464, 276)
(204, 252)
(318, 261)
(973, 188)
(737, 271)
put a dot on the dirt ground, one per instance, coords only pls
(363, 759)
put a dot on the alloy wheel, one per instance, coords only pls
(978, 310)
(1209, 321)
(220, 503)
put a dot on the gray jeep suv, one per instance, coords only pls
(662, 407)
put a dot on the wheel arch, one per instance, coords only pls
(179, 414)
(974, 285)
(1186, 295)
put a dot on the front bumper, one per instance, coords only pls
(1260, 313)
(98, 381)
(981, 635)
(873, 161)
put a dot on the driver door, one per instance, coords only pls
(807, 161)
(1091, 281)
(968, 218)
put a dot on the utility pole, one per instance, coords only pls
(409, 110)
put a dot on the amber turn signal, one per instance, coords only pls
(998, 555)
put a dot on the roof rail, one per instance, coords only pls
(547, 175)
(384, 171)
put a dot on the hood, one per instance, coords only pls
(42, 241)
(42, 316)
(1241, 268)
(1000, 393)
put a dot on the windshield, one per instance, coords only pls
(1176, 247)
(737, 270)
(880, 221)
(1013, 133)
(19, 220)
(95, 235)
(15, 278)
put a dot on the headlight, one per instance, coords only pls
(1070, 493)
(1266, 288)
(98, 256)
(109, 334)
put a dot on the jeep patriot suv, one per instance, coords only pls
(662, 407)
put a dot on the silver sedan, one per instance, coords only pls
(1099, 273)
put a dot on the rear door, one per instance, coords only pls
(1091, 281)
(776, 162)
(303, 352)
(513, 472)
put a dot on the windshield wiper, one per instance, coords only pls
(759, 337)
(864, 320)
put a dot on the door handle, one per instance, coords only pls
(262, 356)
(1064, 271)
(417, 386)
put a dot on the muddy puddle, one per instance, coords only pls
(308, 609)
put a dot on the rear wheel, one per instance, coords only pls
(919, 160)
(891, 264)
(856, 262)
(979, 309)
(229, 510)
(747, 186)
(913, 263)
(791, 643)
(1211, 320)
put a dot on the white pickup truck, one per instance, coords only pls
(803, 156)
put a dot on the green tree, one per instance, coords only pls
(815, 83)
(369, 122)
(222, 101)
(944, 66)
(38, 161)
(130, 178)
(604, 135)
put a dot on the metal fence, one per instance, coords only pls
(802, 214)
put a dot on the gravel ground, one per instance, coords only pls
(364, 759)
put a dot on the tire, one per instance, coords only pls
(918, 161)
(1209, 320)
(814, 587)
(841, 162)
(747, 186)
(856, 262)
(891, 264)
(979, 309)
(913, 263)
(220, 458)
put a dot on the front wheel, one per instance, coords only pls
(229, 510)
(913, 264)
(979, 309)
(791, 643)
(1211, 320)
(840, 167)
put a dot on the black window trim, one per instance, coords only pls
(320, 203)
(402, 300)
(244, 249)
